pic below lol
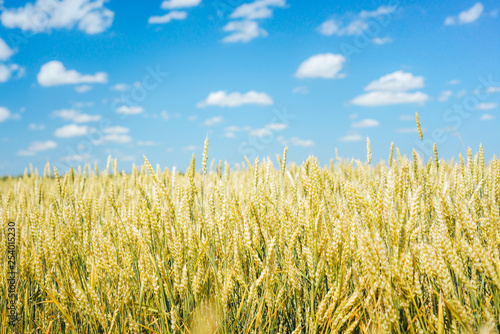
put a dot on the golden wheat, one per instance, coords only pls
(407, 246)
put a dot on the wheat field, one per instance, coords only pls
(407, 245)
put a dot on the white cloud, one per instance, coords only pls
(392, 89)
(83, 88)
(453, 82)
(5, 51)
(190, 148)
(173, 15)
(116, 130)
(247, 28)
(243, 31)
(4, 114)
(171, 4)
(381, 41)
(407, 118)
(325, 66)
(381, 98)
(260, 132)
(229, 131)
(214, 120)
(89, 16)
(236, 99)
(365, 123)
(329, 27)
(356, 25)
(409, 130)
(467, 16)
(130, 110)
(77, 158)
(487, 117)
(493, 90)
(260, 9)
(54, 73)
(487, 106)
(351, 137)
(38, 146)
(117, 138)
(36, 127)
(277, 126)
(445, 95)
(75, 116)
(6, 71)
(301, 142)
(71, 130)
(165, 115)
(300, 90)
(120, 87)
(398, 81)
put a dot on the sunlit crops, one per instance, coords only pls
(407, 245)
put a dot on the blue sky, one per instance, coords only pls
(82, 79)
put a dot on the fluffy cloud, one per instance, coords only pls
(487, 117)
(214, 120)
(260, 9)
(130, 110)
(277, 126)
(247, 28)
(493, 90)
(38, 146)
(453, 82)
(398, 81)
(71, 130)
(392, 89)
(173, 15)
(381, 41)
(83, 89)
(409, 130)
(6, 71)
(171, 4)
(75, 116)
(260, 132)
(90, 16)
(487, 106)
(243, 31)
(300, 90)
(120, 87)
(382, 98)
(445, 95)
(351, 137)
(36, 127)
(467, 16)
(54, 73)
(325, 66)
(365, 123)
(5, 51)
(117, 138)
(356, 25)
(301, 142)
(4, 114)
(236, 99)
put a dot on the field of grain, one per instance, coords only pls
(409, 245)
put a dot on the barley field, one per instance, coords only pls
(407, 245)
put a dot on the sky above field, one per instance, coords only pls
(81, 80)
